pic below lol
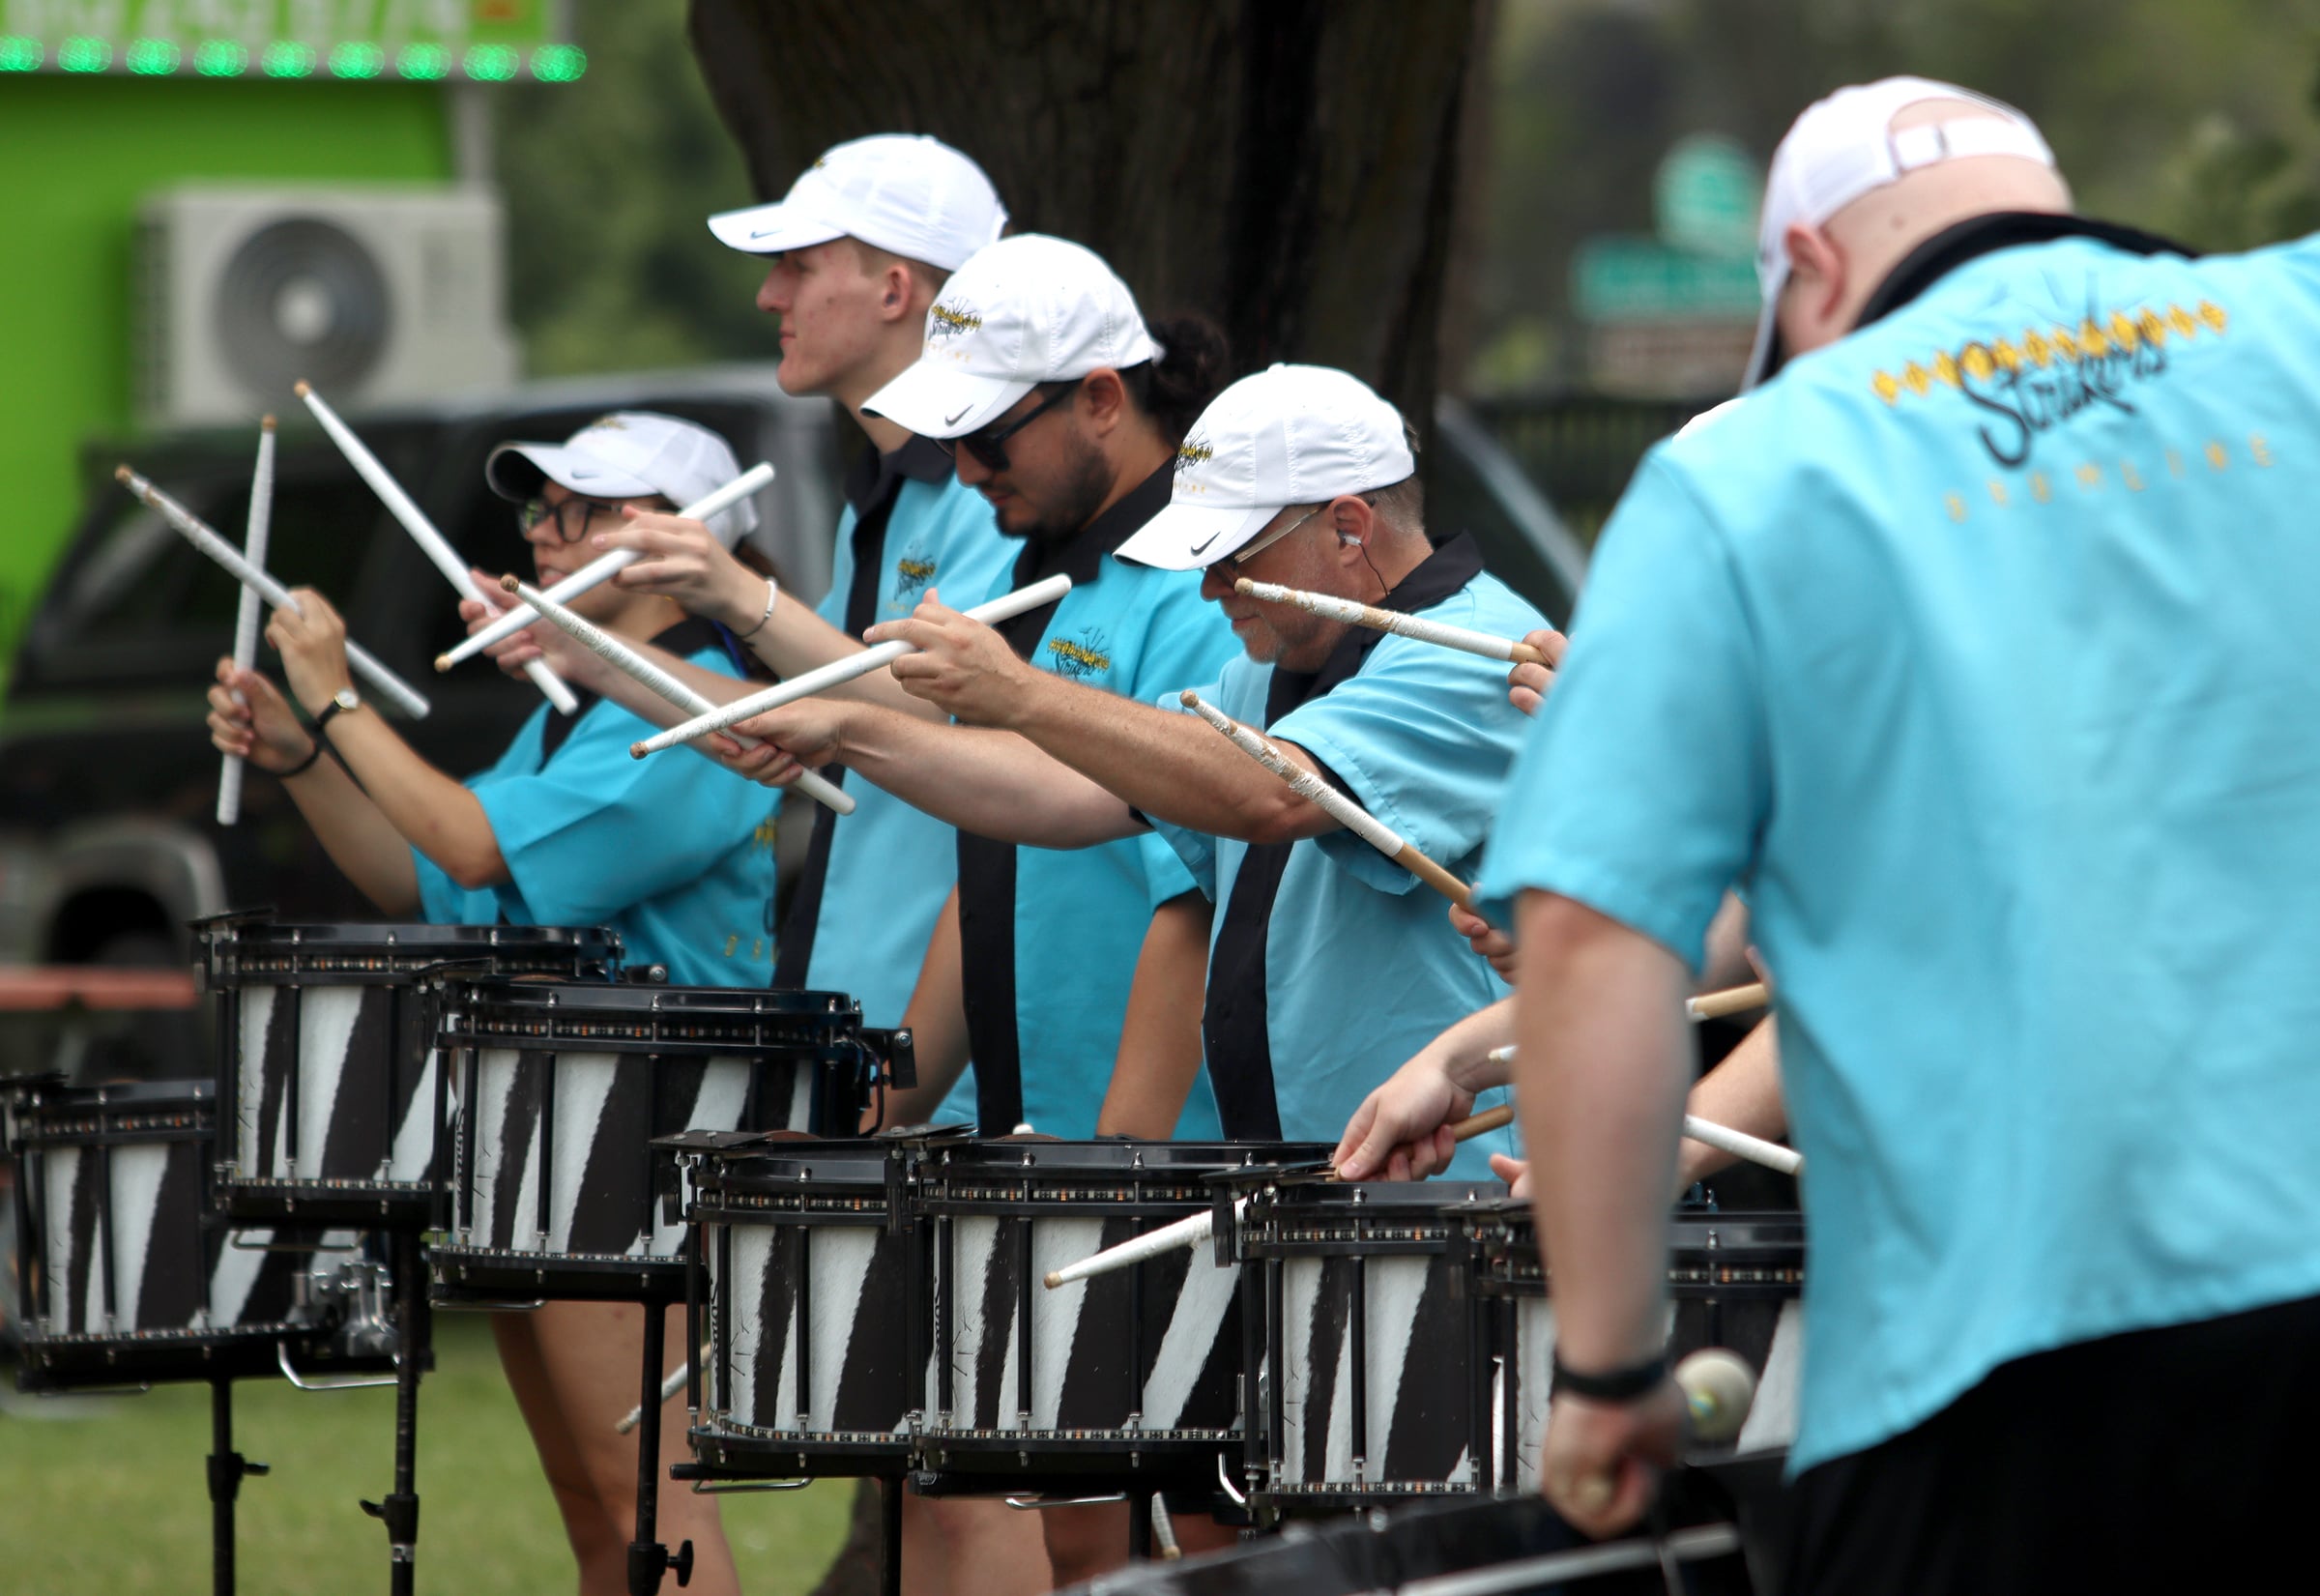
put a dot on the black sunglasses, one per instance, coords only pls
(988, 444)
(571, 516)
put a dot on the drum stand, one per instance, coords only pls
(400, 1512)
(648, 1558)
(228, 1467)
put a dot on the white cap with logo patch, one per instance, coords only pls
(1289, 435)
(905, 194)
(1844, 146)
(629, 454)
(1029, 310)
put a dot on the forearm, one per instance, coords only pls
(937, 1017)
(1171, 766)
(431, 812)
(1604, 1057)
(1160, 1040)
(367, 849)
(1742, 1093)
(991, 783)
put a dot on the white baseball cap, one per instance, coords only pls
(905, 194)
(1289, 435)
(629, 455)
(1844, 146)
(1025, 310)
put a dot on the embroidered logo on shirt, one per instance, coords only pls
(1080, 661)
(2032, 384)
(762, 838)
(910, 578)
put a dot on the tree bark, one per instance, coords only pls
(1290, 168)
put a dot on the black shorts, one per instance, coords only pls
(2179, 1460)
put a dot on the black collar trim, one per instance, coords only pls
(873, 475)
(1976, 236)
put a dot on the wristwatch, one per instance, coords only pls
(342, 700)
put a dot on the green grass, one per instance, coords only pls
(108, 1494)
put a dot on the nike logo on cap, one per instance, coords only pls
(762, 233)
(953, 420)
(1201, 547)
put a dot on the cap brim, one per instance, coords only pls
(936, 400)
(516, 471)
(771, 229)
(1195, 536)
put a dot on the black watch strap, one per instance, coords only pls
(1613, 1384)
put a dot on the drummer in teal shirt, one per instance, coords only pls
(1326, 967)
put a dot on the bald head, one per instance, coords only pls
(1834, 268)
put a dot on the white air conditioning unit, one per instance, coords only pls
(374, 294)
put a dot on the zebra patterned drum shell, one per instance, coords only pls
(115, 1173)
(1378, 1258)
(1735, 1280)
(1125, 1369)
(808, 1283)
(336, 1009)
(578, 1079)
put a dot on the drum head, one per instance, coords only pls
(240, 952)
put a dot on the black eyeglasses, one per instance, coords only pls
(988, 445)
(572, 515)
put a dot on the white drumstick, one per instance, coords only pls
(1723, 1137)
(1332, 802)
(1194, 1229)
(838, 672)
(669, 1387)
(1330, 607)
(601, 569)
(246, 613)
(626, 660)
(431, 543)
(203, 536)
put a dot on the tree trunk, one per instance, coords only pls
(1290, 168)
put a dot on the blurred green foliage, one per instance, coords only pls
(2193, 118)
(607, 182)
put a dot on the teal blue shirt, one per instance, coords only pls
(863, 926)
(1317, 996)
(1978, 651)
(672, 851)
(1050, 937)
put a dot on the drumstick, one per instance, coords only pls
(431, 543)
(669, 1387)
(1723, 1137)
(247, 613)
(204, 538)
(1194, 1229)
(1333, 804)
(841, 671)
(601, 568)
(1334, 608)
(625, 660)
(1733, 999)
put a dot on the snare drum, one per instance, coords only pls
(1736, 1281)
(327, 1088)
(561, 1088)
(1367, 1343)
(1131, 1376)
(122, 1278)
(810, 1286)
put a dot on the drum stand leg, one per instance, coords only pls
(400, 1512)
(1140, 1526)
(228, 1466)
(890, 1534)
(647, 1556)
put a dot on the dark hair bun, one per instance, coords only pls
(1174, 389)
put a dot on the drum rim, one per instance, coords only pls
(404, 934)
(482, 990)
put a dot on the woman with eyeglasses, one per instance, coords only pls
(567, 829)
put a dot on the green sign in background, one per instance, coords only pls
(350, 40)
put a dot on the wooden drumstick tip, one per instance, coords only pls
(637, 750)
(301, 388)
(510, 582)
(122, 473)
(1055, 1279)
(1190, 699)
(266, 424)
(443, 663)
